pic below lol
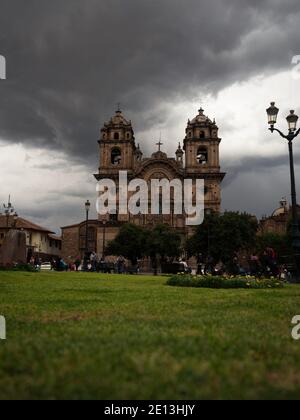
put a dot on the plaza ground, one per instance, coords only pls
(88, 336)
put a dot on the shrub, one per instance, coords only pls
(218, 282)
(19, 267)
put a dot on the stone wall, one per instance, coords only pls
(70, 244)
(110, 234)
(14, 249)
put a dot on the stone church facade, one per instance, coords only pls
(198, 158)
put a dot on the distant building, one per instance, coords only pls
(279, 222)
(74, 238)
(40, 242)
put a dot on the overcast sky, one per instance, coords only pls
(69, 62)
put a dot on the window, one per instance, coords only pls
(113, 218)
(160, 204)
(116, 136)
(92, 234)
(116, 157)
(202, 156)
(92, 238)
(202, 135)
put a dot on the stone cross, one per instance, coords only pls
(159, 144)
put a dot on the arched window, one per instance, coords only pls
(202, 156)
(128, 136)
(116, 156)
(202, 134)
(116, 136)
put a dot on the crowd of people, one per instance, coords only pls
(259, 265)
(92, 263)
(267, 265)
(57, 264)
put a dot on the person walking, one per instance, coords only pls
(120, 264)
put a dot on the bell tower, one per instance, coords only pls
(202, 158)
(117, 146)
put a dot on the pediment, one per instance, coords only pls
(158, 169)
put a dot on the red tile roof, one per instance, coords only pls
(21, 224)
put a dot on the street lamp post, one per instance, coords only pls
(208, 260)
(292, 120)
(104, 239)
(87, 210)
(208, 213)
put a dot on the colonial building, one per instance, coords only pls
(279, 221)
(40, 241)
(198, 158)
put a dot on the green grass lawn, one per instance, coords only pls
(88, 336)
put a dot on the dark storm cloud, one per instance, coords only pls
(70, 61)
(258, 191)
(259, 165)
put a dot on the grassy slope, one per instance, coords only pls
(90, 336)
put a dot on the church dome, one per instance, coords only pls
(201, 118)
(118, 128)
(283, 209)
(278, 212)
(119, 119)
(160, 155)
(201, 127)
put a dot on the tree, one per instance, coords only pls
(134, 242)
(203, 242)
(162, 243)
(130, 243)
(222, 236)
(280, 243)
